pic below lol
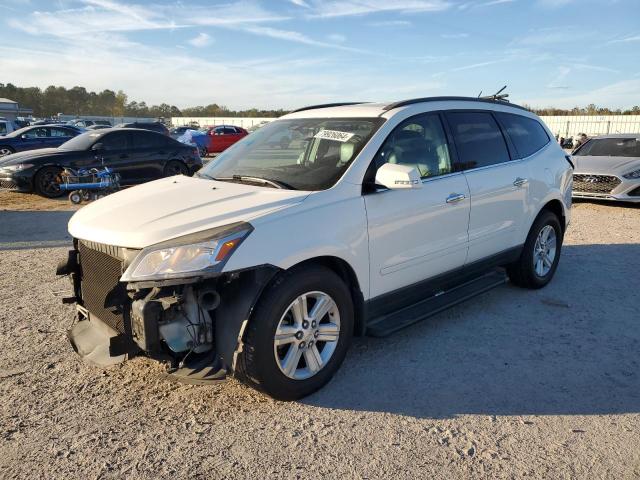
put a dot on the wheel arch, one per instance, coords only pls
(39, 169)
(556, 207)
(346, 272)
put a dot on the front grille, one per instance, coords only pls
(8, 184)
(102, 293)
(595, 183)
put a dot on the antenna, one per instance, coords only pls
(497, 96)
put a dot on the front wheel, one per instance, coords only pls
(47, 182)
(540, 255)
(299, 334)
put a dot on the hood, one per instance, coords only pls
(172, 207)
(21, 157)
(605, 165)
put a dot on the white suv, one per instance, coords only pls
(268, 261)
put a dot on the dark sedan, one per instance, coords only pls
(40, 136)
(137, 155)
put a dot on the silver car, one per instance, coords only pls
(608, 168)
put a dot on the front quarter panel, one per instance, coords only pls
(328, 223)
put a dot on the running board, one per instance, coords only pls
(388, 324)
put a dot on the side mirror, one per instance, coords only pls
(97, 147)
(398, 177)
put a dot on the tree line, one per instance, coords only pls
(78, 101)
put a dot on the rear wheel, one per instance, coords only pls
(175, 167)
(6, 151)
(47, 182)
(299, 334)
(539, 258)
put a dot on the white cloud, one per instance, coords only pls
(614, 95)
(201, 40)
(300, 3)
(633, 38)
(454, 36)
(391, 23)
(341, 8)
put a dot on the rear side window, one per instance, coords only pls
(147, 140)
(478, 139)
(527, 134)
(115, 141)
(229, 130)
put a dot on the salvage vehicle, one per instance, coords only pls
(223, 136)
(268, 261)
(137, 156)
(607, 167)
(33, 138)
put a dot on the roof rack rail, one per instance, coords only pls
(413, 101)
(326, 105)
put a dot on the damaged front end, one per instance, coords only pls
(153, 302)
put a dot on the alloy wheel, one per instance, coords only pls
(307, 335)
(544, 251)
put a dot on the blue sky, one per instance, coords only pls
(288, 53)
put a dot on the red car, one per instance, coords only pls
(222, 137)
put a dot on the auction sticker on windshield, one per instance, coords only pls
(334, 135)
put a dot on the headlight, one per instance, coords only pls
(17, 167)
(631, 175)
(189, 256)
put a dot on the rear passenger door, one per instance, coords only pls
(150, 152)
(116, 154)
(497, 183)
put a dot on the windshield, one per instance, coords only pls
(303, 154)
(611, 147)
(82, 141)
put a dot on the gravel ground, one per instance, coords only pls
(515, 383)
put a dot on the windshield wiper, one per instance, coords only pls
(249, 179)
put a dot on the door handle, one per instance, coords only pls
(455, 197)
(519, 182)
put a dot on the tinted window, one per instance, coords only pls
(60, 132)
(478, 139)
(527, 134)
(229, 130)
(611, 147)
(114, 141)
(36, 133)
(418, 142)
(147, 140)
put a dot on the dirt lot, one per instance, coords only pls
(539, 384)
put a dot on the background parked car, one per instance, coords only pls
(222, 137)
(607, 167)
(97, 127)
(6, 126)
(32, 138)
(137, 155)
(153, 126)
(179, 131)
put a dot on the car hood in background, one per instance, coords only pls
(28, 155)
(172, 207)
(605, 165)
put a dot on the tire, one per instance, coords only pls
(75, 197)
(203, 152)
(526, 271)
(262, 364)
(46, 182)
(175, 167)
(4, 150)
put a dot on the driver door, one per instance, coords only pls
(417, 234)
